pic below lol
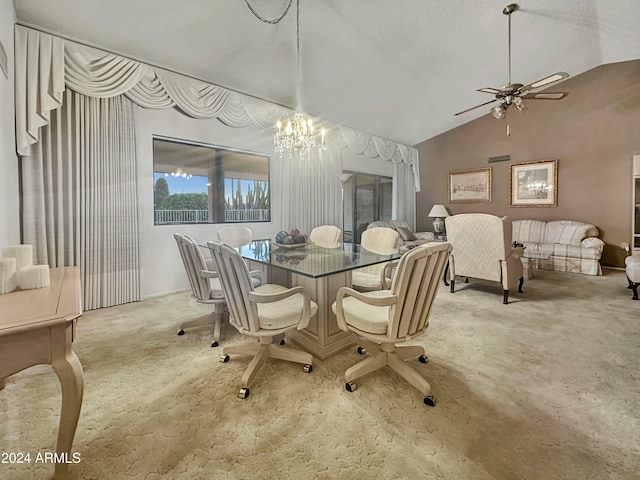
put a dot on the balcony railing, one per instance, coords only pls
(168, 217)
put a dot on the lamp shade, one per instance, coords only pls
(438, 211)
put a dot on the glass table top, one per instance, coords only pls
(312, 260)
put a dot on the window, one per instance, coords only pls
(199, 183)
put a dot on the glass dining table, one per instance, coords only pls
(321, 271)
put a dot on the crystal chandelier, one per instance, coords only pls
(179, 173)
(297, 133)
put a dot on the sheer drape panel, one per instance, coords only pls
(51, 191)
(80, 199)
(109, 213)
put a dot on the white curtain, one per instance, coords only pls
(79, 193)
(46, 65)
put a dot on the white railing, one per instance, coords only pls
(167, 217)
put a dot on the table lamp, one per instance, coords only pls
(439, 212)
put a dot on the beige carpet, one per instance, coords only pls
(546, 387)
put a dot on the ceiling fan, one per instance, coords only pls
(515, 93)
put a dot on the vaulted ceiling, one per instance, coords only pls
(398, 69)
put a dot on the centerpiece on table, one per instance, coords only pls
(291, 239)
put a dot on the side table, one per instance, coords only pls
(37, 327)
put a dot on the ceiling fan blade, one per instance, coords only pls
(545, 96)
(477, 106)
(556, 77)
(492, 91)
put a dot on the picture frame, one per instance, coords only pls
(534, 184)
(470, 186)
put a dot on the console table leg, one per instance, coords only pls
(69, 371)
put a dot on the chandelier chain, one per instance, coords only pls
(296, 133)
(265, 20)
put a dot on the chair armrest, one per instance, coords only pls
(256, 297)
(387, 273)
(274, 297)
(259, 275)
(209, 274)
(381, 301)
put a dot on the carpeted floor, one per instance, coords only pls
(547, 387)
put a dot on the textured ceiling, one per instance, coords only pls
(398, 69)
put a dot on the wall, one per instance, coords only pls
(593, 132)
(162, 269)
(9, 197)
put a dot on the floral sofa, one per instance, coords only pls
(568, 246)
(408, 239)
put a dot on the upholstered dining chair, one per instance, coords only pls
(380, 240)
(235, 235)
(482, 249)
(205, 286)
(263, 313)
(386, 319)
(326, 236)
(238, 236)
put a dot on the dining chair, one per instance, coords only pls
(262, 313)
(238, 236)
(205, 286)
(235, 235)
(385, 320)
(379, 240)
(327, 236)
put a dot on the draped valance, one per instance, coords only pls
(46, 65)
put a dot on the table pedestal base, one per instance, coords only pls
(322, 337)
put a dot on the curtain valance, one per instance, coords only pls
(45, 65)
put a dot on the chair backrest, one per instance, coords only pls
(235, 235)
(480, 242)
(194, 264)
(416, 283)
(380, 240)
(236, 284)
(326, 236)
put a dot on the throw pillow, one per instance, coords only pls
(406, 234)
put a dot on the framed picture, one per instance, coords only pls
(534, 184)
(470, 186)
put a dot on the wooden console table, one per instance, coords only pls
(37, 327)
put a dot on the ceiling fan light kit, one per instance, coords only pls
(515, 93)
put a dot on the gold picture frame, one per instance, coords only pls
(534, 184)
(470, 186)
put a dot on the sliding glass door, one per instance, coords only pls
(367, 199)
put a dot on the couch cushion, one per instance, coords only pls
(572, 251)
(566, 232)
(524, 231)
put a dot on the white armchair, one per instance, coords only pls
(482, 249)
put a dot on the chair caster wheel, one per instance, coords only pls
(362, 350)
(282, 342)
(214, 344)
(224, 358)
(181, 332)
(307, 368)
(423, 359)
(243, 393)
(350, 386)
(429, 401)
